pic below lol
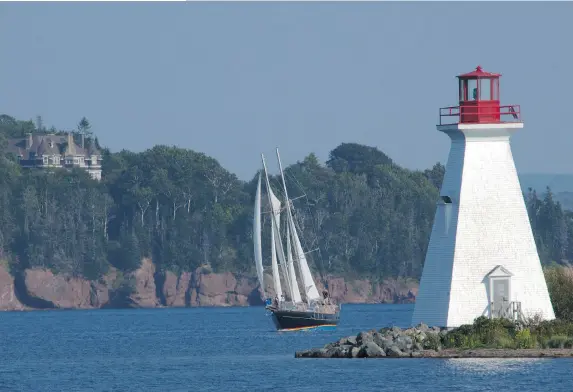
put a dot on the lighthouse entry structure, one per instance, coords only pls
(482, 259)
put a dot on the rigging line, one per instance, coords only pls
(297, 182)
(316, 239)
(308, 210)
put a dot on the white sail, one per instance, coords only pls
(308, 282)
(275, 226)
(257, 237)
(277, 245)
(294, 284)
(309, 286)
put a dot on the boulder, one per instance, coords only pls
(354, 352)
(344, 351)
(348, 340)
(382, 341)
(404, 343)
(394, 351)
(371, 350)
(364, 337)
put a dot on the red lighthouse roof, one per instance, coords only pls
(479, 73)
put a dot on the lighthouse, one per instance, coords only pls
(482, 259)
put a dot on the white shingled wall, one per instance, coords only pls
(487, 225)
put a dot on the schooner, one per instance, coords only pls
(291, 308)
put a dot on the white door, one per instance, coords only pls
(500, 295)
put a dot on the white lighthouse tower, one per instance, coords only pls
(481, 259)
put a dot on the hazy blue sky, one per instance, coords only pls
(236, 79)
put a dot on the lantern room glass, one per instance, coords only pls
(482, 89)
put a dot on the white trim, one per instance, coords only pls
(479, 127)
(499, 272)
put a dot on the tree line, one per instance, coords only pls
(361, 214)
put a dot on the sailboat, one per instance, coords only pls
(292, 308)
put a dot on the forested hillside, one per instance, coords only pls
(367, 216)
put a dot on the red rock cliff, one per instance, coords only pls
(40, 288)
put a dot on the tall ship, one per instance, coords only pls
(291, 308)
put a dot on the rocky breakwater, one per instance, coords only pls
(417, 342)
(386, 342)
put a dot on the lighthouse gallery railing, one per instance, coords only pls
(486, 111)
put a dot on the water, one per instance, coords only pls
(233, 349)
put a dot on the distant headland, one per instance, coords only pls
(171, 227)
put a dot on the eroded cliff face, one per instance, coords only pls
(365, 291)
(146, 288)
(8, 299)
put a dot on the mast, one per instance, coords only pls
(290, 264)
(309, 286)
(257, 237)
(277, 246)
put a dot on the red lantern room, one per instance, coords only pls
(479, 101)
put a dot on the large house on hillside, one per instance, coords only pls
(56, 151)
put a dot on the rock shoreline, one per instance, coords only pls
(418, 342)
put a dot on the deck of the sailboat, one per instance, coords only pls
(304, 307)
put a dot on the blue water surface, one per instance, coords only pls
(233, 349)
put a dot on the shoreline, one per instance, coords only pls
(459, 353)
(484, 339)
(47, 309)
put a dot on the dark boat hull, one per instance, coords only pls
(291, 320)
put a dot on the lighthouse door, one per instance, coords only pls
(501, 300)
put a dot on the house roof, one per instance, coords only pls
(48, 145)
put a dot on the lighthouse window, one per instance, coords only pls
(485, 89)
(473, 89)
(494, 85)
(446, 199)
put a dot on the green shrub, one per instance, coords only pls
(557, 341)
(502, 342)
(432, 342)
(484, 332)
(503, 333)
(546, 330)
(560, 285)
(523, 339)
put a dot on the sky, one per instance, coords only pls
(234, 80)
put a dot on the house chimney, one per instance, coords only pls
(82, 141)
(71, 145)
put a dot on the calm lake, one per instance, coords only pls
(233, 349)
